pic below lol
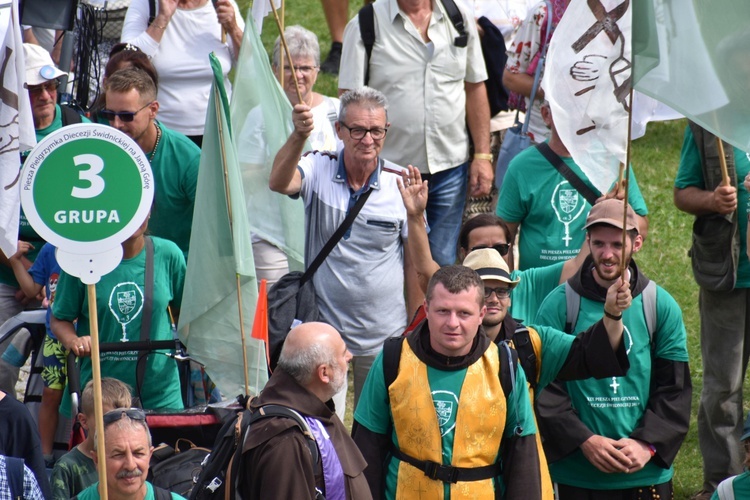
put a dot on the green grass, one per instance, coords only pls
(663, 257)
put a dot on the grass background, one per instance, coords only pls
(664, 256)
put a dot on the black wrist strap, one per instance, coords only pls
(570, 176)
(334, 240)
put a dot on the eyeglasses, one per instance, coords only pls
(305, 70)
(359, 133)
(501, 292)
(125, 116)
(132, 413)
(502, 248)
(50, 87)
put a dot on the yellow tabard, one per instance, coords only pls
(480, 422)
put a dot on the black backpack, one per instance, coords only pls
(220, 470)
(175, 469)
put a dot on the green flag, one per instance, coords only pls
(692, 55)
(220, 252)
(262, 121)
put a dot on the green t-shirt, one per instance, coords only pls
(175, 168)
(119, 302)
(690, 174)
(374, 413)
(92, 493)
(536, 283)
(551, 212)
(73, 473)
(614, 406)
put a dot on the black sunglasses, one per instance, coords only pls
(502, 248)
(502, 292)
(115, 415)
(125, 116)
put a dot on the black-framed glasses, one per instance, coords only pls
(125, 116)
(50, 86)
(502, 292)
(132, 413)
(502, 248)
(359, 133)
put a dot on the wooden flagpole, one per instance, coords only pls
(624, 177)
(218, 104)
(96, 372)
(286, 51)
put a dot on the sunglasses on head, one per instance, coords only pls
(121, 47)
(124, 116)
(116, 415)
(502, 248)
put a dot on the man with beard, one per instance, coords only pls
(598, 352)
(277, 462)
(127, 445)
(618, 437)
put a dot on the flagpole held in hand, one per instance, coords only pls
(286, 51)
(624, 176)
(96, 373)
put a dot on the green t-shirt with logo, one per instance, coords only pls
(614, 406)
(119, 304)
(690, 174)
(550, 210)
(73, 473)
(536, 283)
(175, 168)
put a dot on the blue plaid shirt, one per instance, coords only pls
(31, 490)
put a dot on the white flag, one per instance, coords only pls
(16, 124)
(260, 9)
(587, 82)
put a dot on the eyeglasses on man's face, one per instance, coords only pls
(359, 133)
(49, 86)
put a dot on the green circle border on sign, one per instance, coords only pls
(86, 188)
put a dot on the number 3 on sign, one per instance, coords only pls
(91, 175)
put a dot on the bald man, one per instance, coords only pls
(278, 464)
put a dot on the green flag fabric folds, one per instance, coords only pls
(693, 56)
(262, 121)
(220, 253)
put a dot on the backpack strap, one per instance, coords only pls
(525, 352)
(573, 304)
(366, 18)
(508, 365)
(271, 410)
(391, 358)
(457, 20)
(648, 298)
(14, 470)
(725, 490)
(161, 493)
(69, 115)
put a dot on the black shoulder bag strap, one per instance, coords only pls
(334, 240)
(566, 172)
(457, 20)
(148, 307)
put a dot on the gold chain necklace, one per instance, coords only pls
(156, 144)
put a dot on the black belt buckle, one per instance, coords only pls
(444, 473)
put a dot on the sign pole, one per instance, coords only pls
(97, 377)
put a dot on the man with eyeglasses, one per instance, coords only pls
(131, 107)
(360, 285)
(127, 450)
